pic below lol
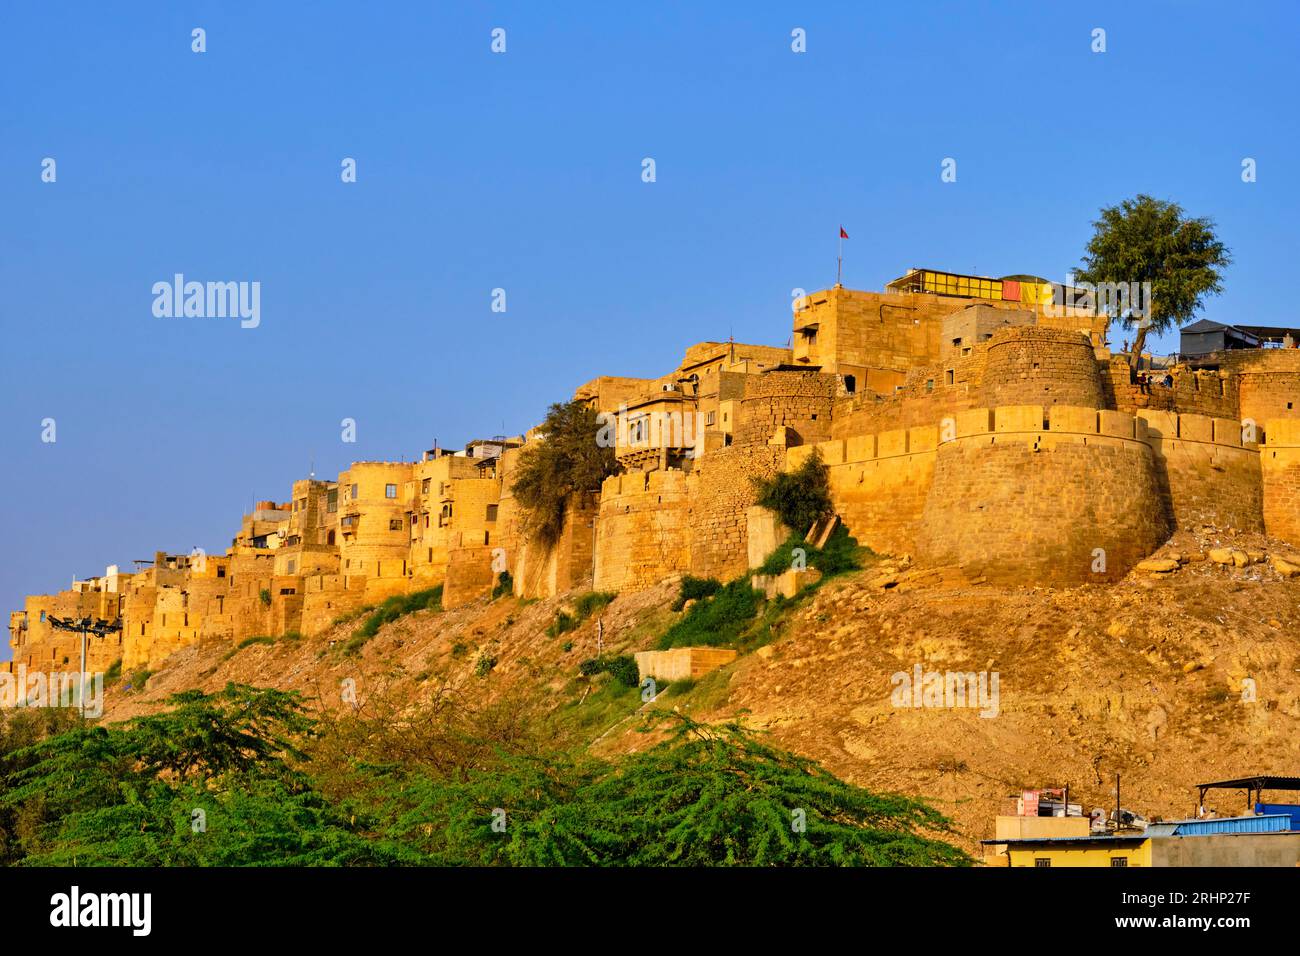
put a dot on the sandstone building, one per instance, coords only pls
(965, 421)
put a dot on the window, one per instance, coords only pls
(491, 512)
(708, 419)
(929, 385)
(390, 491)
(851, 384)
(292, 565)
(424, 486)
(950, 376)
(353, 493)
(221, 572)
(302, 504)
(330, 539)
(332, 501)
(42, 617)
(395, 524)
(1040, 861)
(1118, 861)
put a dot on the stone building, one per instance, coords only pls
(966, 421)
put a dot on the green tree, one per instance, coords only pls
(1150, 240)
(801, 497)
(718, 796)
(570, 460)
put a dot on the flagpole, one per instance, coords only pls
(839, 261)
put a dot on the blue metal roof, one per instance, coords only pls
(1265, 823)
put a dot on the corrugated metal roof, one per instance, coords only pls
(1265, 823)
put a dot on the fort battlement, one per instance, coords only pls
(977, 429)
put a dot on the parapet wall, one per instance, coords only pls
(1015, 493)
(1064, 498)
(1208, 475)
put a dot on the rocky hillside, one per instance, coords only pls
(1144, 677)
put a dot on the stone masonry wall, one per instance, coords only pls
(1280, 464)
(1042, 366)
(1207, 475)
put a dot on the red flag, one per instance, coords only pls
(843, 234)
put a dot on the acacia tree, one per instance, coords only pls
(1151, 240)
(568, 461)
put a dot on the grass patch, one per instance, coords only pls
(114, 672)
(715, 621)
(842, 553)
(138, 679)
(593, 602)
(693, 589)
(390, 610)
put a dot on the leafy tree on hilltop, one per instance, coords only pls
(568, 461)
(1150, 240)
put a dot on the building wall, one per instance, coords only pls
(642, 530)
(1208, 476)
(1016, 502)
(1280, 468)
(1041, 366)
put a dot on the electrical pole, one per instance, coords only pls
(85, 626)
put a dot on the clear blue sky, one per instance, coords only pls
(523, 171)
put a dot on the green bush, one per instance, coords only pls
(593, 602)
(505, 585)
(483, 666)
(839, 555)
(801, 497)
(693, 589)
(571, 461)
(562, 624)
(264, 596)
(114, 671)
(623, 668)
(585, 606)
(715, 621)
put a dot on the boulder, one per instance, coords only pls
(1158, 565)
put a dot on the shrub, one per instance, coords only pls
(504, 587)
(585, 606)
(114, 671)
(695, 588)
(715, 621)
(622, 668)
(483, 666)
(839, 555)
(571, 460)
(264, 596)
(562, 624)
(801, 497)
(593, 602)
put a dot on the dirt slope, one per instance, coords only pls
(1143, 678)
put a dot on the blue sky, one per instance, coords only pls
(523, 171)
